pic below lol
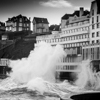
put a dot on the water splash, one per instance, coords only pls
(88, 78)
(37, 73)
(40, 63)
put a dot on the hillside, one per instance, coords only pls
(18, 50)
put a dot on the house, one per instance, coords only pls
(18, 23)
(2, 27)
(54, 29)
(40, 25)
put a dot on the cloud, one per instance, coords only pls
(56, 3)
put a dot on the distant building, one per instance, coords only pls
(2, 27)
(40, 25)
(54, 29)
(18, 23)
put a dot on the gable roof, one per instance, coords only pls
(16, 18)
(41, 20)
(77, 13)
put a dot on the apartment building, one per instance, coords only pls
(92, 51)
(94, 23)
(40, 25)
(74, 34)
(18, 23)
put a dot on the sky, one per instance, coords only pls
(53, 10)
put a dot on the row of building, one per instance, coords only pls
(80, 38)
(22, 23)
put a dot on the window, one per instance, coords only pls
(98, 25)
(24, 25)
(98, 52)
(97, 19)
(97, 34)
(97, 41)
(92, 20)
(20, 29)
(15, 24)
(20, 24)
(92, 12)
(93, 26)
(20, 20)
(27, 24)
(92, 41)
(72, 37)
(93, 34)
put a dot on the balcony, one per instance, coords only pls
(76, 26)
(70, 41)
(74, 33)
(68, 67)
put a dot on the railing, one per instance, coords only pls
(68, 67)
(4, 62)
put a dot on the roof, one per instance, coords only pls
(41, 20)
(77, 13)
(98, 6)
(16, 18)
(56, 28)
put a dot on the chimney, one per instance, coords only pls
(81, 11)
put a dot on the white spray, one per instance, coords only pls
(40, 65)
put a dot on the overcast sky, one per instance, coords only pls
(53, 10)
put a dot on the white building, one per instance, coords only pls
(74, 34)
(80, 37)
(40, 25)
(94, 23)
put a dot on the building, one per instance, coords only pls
(78, 13)
(18, 23)
(92, 51)
(40, 25)
(55, 29)
(94, 23)
(2, 27)
(74, 34)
